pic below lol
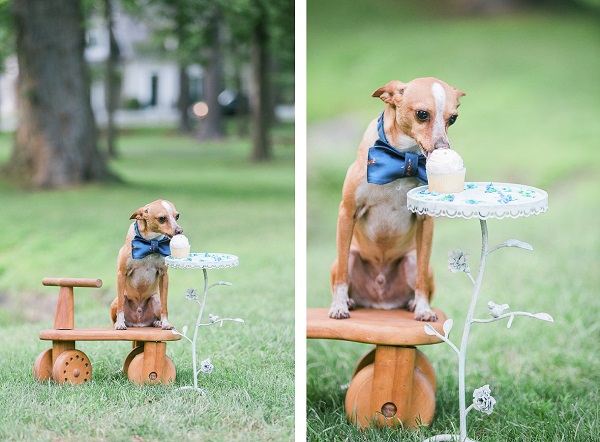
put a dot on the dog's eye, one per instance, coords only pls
(422, 115)
(452, 120)
(162, 219)
(177, 216)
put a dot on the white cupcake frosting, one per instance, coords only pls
(442, 161)
(179, 241)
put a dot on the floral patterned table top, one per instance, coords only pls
(203, 260)
(482, 200)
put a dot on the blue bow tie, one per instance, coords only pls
(142, 247)
(386, 164)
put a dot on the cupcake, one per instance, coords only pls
(180, 247)
(445, 171)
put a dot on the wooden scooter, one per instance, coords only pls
(146, 363)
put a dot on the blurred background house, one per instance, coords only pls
(148, 83)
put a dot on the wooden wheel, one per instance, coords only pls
(358, 400)
(424, 366)
(72, 366)
(366, 359)
(132, 354)
(42, 368)
(138, 373)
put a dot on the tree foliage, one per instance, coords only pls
(223, 32)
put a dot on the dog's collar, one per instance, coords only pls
(386, 164)
(142, 247)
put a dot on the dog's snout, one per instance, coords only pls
(441, 144)
(178, 231)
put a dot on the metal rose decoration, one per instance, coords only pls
(206, 366)
(483, 400)
(457, 261)
(191, 295)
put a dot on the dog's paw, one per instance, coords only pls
(339, 313)
(340, 303)
(339, 310)
(426, 315)
(120, 326)
(163, 323)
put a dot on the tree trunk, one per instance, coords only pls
(56, 140)
(184, 102)
(260, 108)
(242, 102)
(212, 126)
(111, 81)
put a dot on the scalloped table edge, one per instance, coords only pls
(225, 261)
(482, 212)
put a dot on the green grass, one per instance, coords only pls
(530, 116)
(227, 205)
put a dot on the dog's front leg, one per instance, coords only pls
(424, 285)
(339, 272)
(120, 315)
(163, 288)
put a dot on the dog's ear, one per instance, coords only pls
(139, 213)
(458, 93)
(386, 93)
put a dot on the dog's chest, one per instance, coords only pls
(143, 274)
(381, 209)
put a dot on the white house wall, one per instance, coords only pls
(137, 82)
(8, 92)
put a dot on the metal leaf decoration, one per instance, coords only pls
(544, 317)
(447, 327)
(517, 243)
(430, 330)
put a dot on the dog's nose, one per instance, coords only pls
(441, 144)
(178, 231)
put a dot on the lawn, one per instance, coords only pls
(227, 205)
(530, 116)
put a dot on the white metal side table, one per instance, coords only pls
(204, 262)
(480, 200)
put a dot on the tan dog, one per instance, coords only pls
(383, 249)
(142, 279)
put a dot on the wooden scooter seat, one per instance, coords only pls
(394, 383)
(110, 334)
(383, 327)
